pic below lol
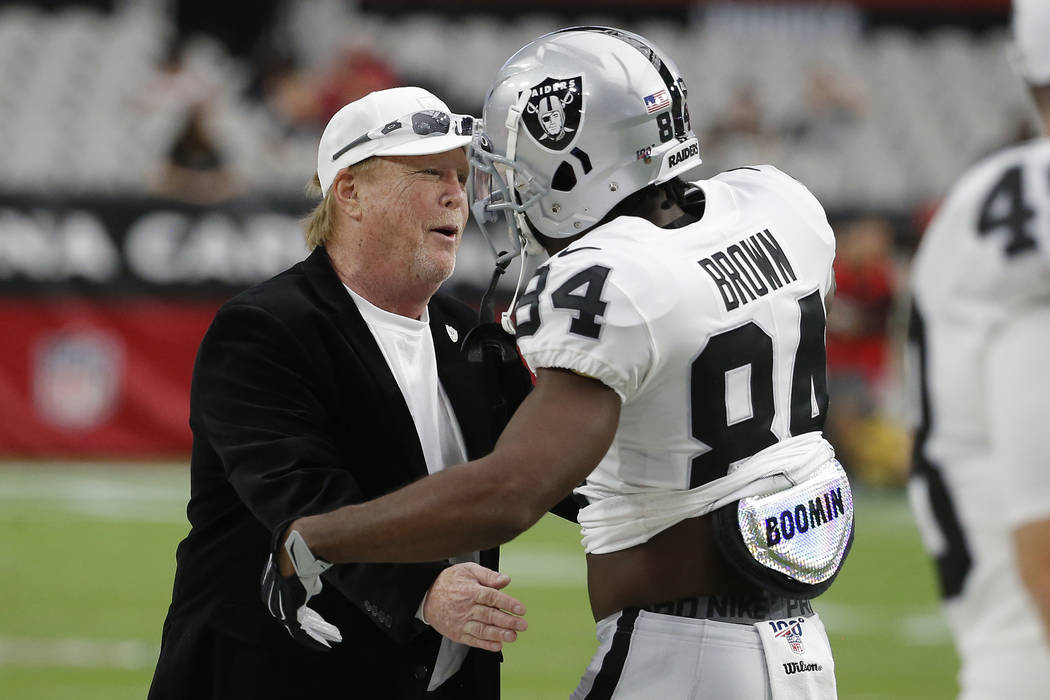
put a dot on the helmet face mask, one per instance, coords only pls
(500, 192)
(575, 122)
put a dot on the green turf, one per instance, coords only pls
(88, 557)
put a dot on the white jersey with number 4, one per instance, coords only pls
(712, 333)
(980, 338)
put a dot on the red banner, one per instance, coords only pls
(98, 378)
(104, 301)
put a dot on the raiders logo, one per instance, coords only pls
(552, 114)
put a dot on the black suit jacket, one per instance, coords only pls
(294, 411)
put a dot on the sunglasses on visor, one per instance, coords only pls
(427, 122)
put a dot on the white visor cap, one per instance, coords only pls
(1031, 28)
(356, 131)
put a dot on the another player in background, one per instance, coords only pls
(677, 334)
(980, 334)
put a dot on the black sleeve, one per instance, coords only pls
(258, 399)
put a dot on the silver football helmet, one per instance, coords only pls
(575, 122)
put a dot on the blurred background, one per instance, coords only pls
(153, 158)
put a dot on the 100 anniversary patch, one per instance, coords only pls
(552, 114)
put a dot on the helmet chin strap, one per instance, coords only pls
(505, 319)
(512, 122)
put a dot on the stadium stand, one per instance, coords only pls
(86, 104)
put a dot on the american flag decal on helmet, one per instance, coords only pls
(656, 101)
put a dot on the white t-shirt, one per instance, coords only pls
(408, 347)
(980, 355)
(697, 329)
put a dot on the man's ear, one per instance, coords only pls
(346, 190)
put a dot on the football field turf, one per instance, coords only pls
(87, 554)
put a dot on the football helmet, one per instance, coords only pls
(575, 122)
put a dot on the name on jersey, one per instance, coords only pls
(749, 269)
(804, 516)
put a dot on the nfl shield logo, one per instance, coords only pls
(552, 114)
(791, 632)
(77, 378)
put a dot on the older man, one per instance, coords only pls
(333, 383)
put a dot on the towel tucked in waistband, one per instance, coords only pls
(612, 523)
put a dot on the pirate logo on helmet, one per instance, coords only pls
(552, 113)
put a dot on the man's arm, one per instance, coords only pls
(260, 398)
(555, 439)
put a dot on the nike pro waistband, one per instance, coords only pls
(740, 610)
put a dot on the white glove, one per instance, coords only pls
(282, 594)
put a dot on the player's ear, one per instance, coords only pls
(346, 190)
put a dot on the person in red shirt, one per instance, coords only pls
(864, 277)
(858, 342)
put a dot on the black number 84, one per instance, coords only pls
(745, 345)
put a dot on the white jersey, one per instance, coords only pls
(980, 329)
(712, 334)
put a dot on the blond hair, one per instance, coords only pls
(319, 224)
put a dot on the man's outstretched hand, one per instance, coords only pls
(465, 604)
(286, 596)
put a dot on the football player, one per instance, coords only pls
(980, 333)
(677, 336)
